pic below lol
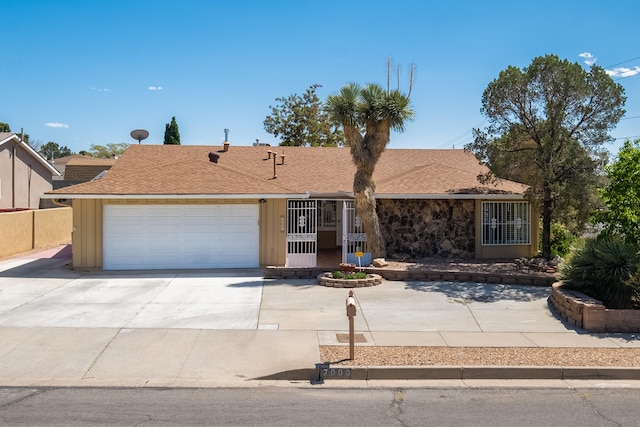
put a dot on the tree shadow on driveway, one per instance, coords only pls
(482, 292)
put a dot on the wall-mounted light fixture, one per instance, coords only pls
(262, 201)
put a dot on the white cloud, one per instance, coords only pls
(57, 125)
(102, 89)
(624, 72)
(589, 59)
(155, 87)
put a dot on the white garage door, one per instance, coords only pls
(180, 236)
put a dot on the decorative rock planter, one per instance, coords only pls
(326, 279)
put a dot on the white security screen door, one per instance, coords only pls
(302, 233)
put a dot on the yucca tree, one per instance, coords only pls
(376, 112)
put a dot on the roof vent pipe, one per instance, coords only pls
(225, 145)
(275, 155)
(282, 157)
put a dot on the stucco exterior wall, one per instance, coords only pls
(5, 176)
(34, 229)
(32, 178)
(87, 228)
(52, 227)
(16, 232)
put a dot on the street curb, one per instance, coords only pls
(324, 373)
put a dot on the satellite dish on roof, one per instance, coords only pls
(139, 134)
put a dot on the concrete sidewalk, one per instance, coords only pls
(212, 328)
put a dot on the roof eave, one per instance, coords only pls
(173, 196)
(338, 195)
(452, 196)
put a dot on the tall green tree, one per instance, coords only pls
(4, 127)
(556, 116)
(377, 111)
(171, 133)
(52, 150)
(574, 199)
(622, 195)
(303, 120)
(108, 151)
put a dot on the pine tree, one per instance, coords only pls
(171, 133)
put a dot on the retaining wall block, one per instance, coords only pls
(593, 318)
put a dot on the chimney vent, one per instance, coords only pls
(213, 157)
(225, 146)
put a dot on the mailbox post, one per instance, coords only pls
(351, 313)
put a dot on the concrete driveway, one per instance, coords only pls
(45, 292)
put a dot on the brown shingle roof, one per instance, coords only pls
(85, 168)
(81, 160)
(186, 170)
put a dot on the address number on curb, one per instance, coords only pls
(336, 373)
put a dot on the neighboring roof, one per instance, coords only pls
(85, 168)
(185, 170)
(5, 137)
(82, 159)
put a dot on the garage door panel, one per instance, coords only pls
(180, 236)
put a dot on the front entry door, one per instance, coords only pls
(302, 233)
(353, 236)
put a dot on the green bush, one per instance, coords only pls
(604, 269)
(561, 240)
(341, 275)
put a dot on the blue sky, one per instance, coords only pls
(88, 72)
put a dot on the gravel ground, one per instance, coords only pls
(497, 266)
(481, 356)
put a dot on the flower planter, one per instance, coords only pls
(326, 279)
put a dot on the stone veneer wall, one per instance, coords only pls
(428, 228)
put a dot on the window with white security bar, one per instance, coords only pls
(506, 223)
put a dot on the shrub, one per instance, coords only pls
(603, 269)
(561, 240)
(341, 275)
